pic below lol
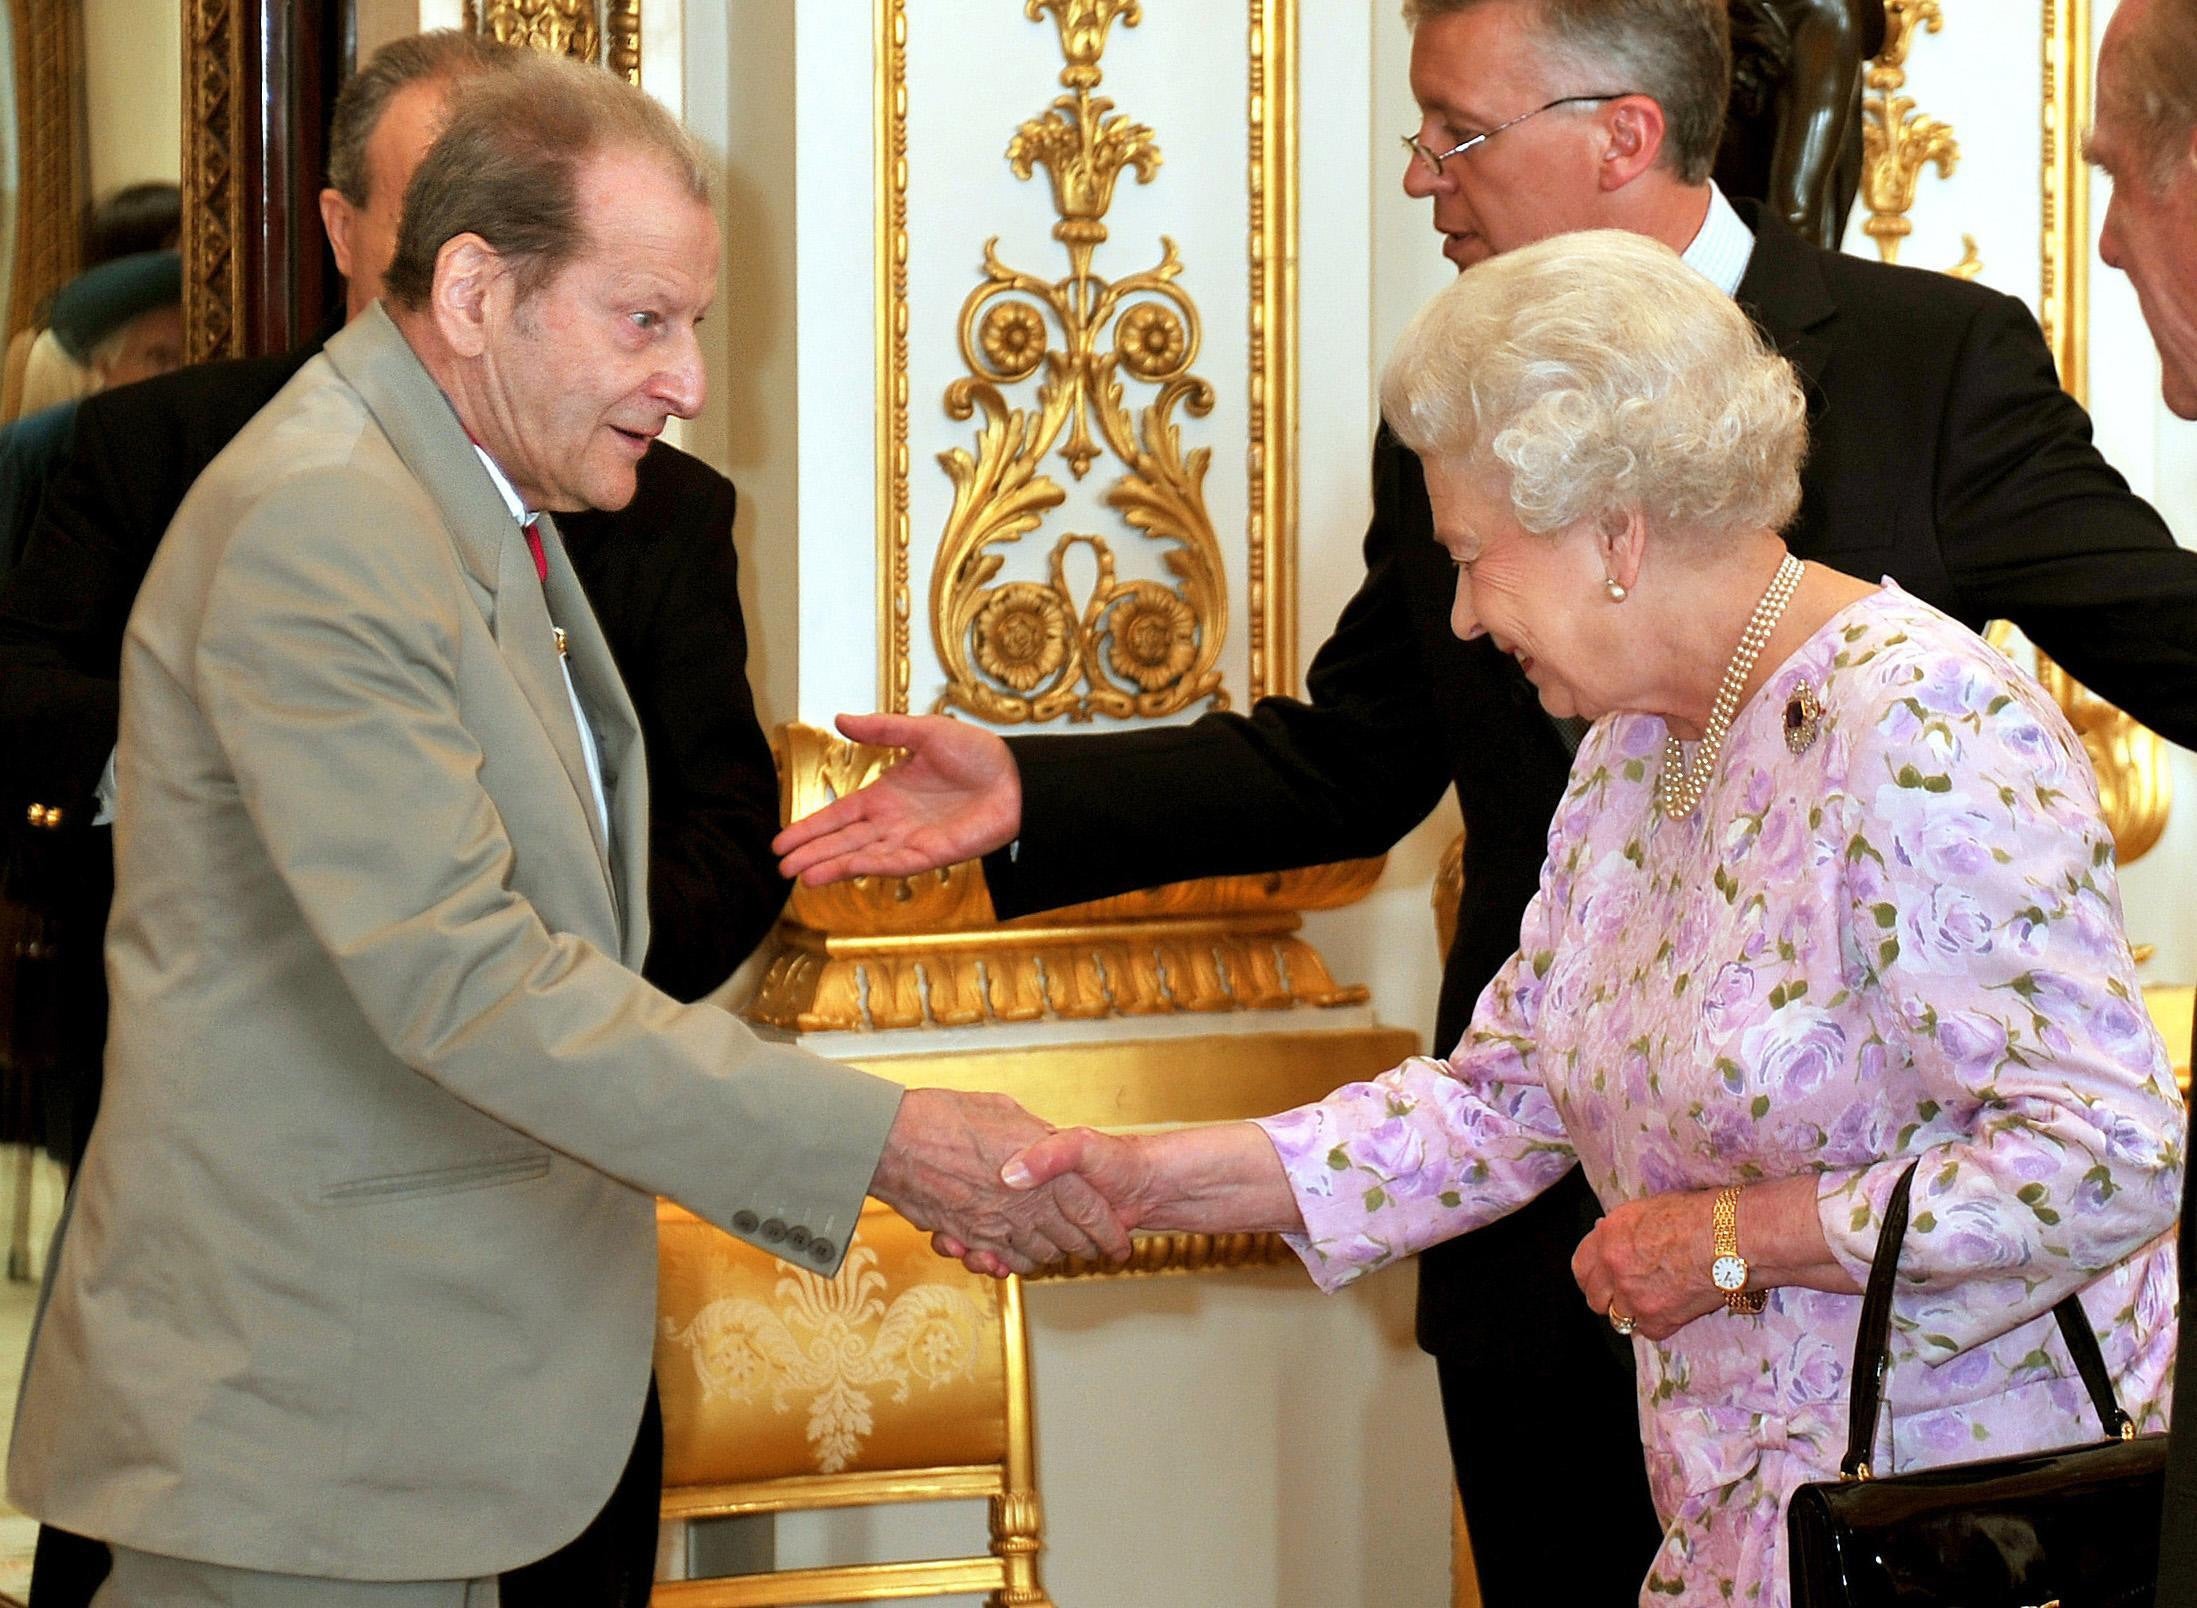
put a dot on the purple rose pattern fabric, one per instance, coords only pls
(1904, 942)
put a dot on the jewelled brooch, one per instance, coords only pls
(1803, 717)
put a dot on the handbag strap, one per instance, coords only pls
(1871, 1344)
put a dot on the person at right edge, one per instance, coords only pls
(2145, 141)
(1943, 454)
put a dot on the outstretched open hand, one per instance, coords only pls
(957, 795)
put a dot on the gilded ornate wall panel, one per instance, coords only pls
(605, 32)
(1085, 336)
(1077, 554)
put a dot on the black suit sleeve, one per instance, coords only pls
(662, 577)
(1344, 774)
(2035, 527)
(62, 611)
(131, 458)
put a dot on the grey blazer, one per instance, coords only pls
(358, 1278)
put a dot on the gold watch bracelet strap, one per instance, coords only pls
(1724, 1220)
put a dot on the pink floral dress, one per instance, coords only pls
(1902, 942)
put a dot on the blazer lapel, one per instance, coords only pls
(617, 741)
(374, 357)
(1784, 291)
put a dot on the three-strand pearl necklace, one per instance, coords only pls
(1679, 786)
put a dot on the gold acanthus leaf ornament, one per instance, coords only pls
(1086, 640)
(1084, 152)
(1897, 142)
(1083, 25)
(1901, 19)
(558, 27)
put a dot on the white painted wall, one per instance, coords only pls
(133, 92)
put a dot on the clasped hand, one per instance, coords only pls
(942, 1171)
(1648, 1260)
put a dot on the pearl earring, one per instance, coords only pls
(1615, 588)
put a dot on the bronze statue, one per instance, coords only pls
(1793, 139)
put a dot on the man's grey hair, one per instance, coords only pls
(507, 168)
(1595, 374)
(2149, 85)
(442, 53)
(1676, 52)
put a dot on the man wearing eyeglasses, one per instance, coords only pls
(1943, 453)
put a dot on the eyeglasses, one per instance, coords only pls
(1434, 159)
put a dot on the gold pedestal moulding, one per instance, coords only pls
(879, 953)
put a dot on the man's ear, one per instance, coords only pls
(472, 287)
(339, 218)
(1632, 133)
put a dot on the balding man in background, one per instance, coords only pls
(2146, 141)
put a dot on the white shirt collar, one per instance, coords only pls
(504, 487)
(1721, 250)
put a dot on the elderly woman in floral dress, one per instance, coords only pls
(1828, 893)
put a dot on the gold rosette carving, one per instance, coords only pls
(1086, 640)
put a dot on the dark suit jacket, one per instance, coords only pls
(659, 574)
(1943, 453)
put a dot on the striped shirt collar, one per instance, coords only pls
(1721, 250)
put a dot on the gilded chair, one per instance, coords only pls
(904, 1379)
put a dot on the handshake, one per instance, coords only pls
(1004, 1192)
(1000, 1189)
(997, 1188)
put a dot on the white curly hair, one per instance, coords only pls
(1602, 376)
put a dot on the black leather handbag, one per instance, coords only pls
(2076, 1528)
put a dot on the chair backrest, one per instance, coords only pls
(904, 1379)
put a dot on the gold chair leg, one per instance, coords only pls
(1017, 1523)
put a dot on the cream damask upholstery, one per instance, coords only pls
(904, 1379)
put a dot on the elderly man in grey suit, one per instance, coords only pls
(2146, 141)
(353, 1305)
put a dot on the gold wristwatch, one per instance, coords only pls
(1727, 1268)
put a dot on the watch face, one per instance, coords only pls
(1728, 1272)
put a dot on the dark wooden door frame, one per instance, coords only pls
(259, 77)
